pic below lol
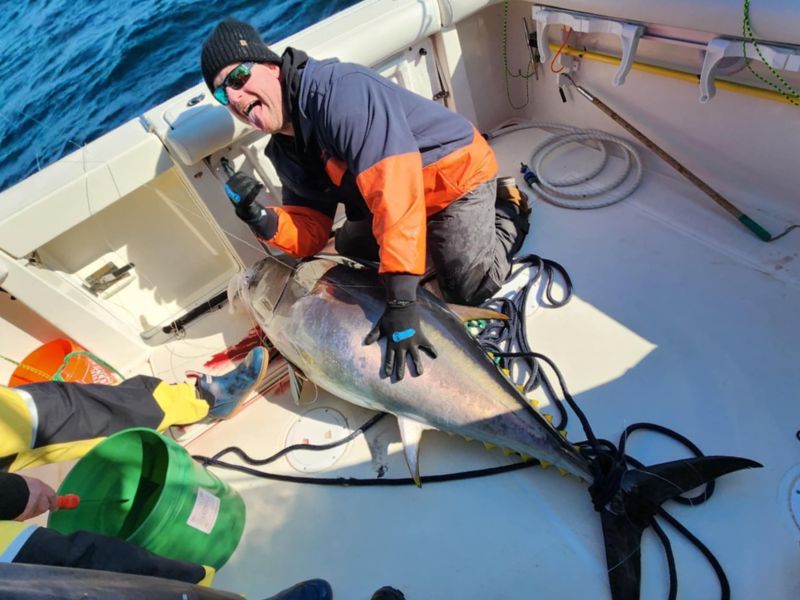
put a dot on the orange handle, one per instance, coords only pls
(68, 501)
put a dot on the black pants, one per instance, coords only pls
(88, 550)
(470, 243)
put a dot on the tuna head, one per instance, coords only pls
(268, 281)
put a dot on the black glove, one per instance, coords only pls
(242, 191)
(400, 324)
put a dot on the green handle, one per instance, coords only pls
(760, 232)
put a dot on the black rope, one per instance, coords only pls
(499, 338)
(215, 461)
(709, 487)
(725, 588)
(360, 482)
(317, 447)
(673, 571)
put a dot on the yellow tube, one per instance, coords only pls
(739, 88)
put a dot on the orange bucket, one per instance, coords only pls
(62, 360)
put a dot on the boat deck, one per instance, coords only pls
(680, 317)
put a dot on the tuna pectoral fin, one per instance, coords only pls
(303, 391)
(626, 512)
(411, 434)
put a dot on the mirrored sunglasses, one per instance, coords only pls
(235, 79)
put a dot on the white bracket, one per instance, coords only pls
(778, 57)
(629, 34)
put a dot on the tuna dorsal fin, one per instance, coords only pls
(475, 313)
(411, 434)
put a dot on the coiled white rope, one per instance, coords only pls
(580, 190)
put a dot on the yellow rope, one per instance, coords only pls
(730, 86)
(39, 372)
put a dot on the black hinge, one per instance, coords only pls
(440, 95)
(214, 303)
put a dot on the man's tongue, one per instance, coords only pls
(256, 117)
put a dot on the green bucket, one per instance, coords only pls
(143, 487)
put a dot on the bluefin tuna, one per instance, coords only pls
(317, 313)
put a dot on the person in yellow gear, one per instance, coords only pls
(53, 421)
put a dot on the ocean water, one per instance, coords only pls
(71, 70)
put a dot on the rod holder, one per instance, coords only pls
(629, 34)
(783, 58)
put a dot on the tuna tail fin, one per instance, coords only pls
(629, 499)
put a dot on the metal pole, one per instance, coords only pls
(759, 231)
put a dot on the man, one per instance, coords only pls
(414, 178)
(52, 421)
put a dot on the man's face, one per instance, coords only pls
(259, 102)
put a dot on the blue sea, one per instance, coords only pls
(72, 70)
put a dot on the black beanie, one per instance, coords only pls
(233, 42)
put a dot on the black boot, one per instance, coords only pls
(507, 190)
(388, 593)
(313, 589)
(512, 215)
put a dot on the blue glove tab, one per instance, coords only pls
(232, 195)
(242, 190)
(399, 336)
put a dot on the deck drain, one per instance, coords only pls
(318, 426)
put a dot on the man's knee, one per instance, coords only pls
(355, 239)
(471, 290)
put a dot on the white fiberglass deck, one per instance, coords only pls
(680, 317)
